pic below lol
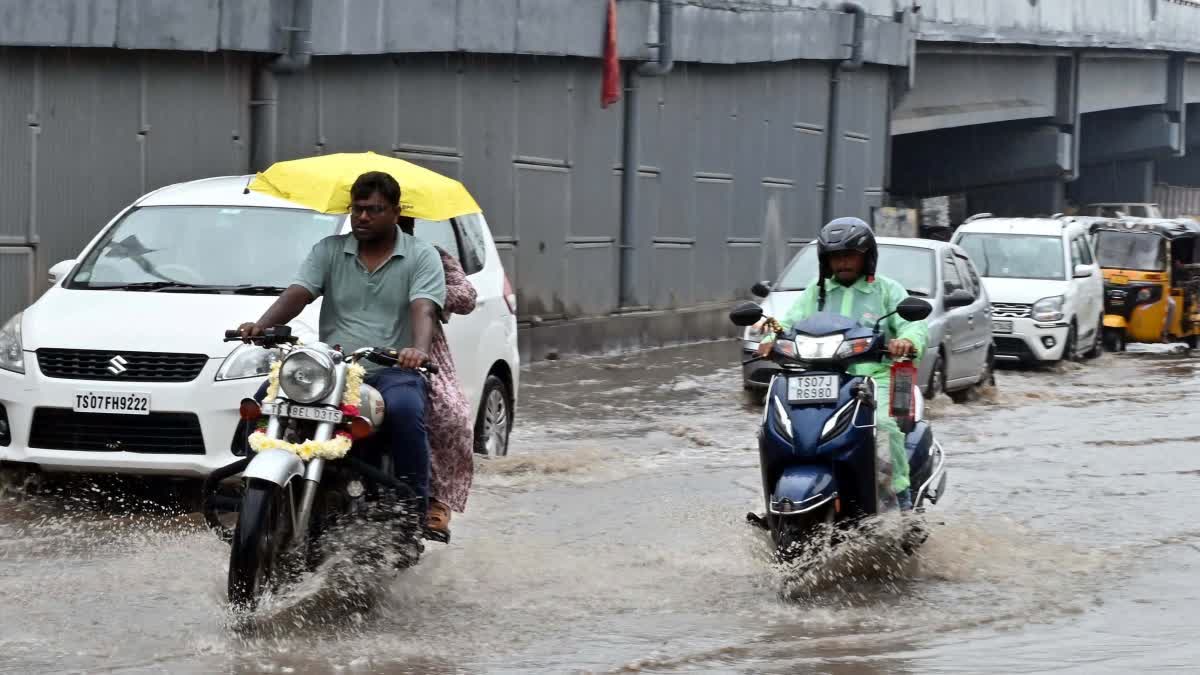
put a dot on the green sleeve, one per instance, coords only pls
(916, 332)
(428, 279)
(804, 307)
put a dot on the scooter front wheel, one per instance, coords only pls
(798, 536)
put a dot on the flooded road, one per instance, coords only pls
(613, 540)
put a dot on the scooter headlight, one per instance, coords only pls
(818, 348)
(306, 376)
(855, 347)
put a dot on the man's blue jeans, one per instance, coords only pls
(405, 398)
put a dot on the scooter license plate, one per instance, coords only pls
(813, 389)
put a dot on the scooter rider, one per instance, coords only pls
(847, 255)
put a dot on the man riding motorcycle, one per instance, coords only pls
(847, 285)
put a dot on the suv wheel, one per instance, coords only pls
(1097, 348)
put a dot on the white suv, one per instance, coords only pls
(1047, 291)
(150, 355)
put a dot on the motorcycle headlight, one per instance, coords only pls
(247, 361)
(1048, 309)
(12, 354)
(306, 376)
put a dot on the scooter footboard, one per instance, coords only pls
(803, 489)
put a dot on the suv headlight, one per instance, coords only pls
(12, 354)
(247, 361)
(306, 376)
(1048, 309)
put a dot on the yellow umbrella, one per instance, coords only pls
(323, 183)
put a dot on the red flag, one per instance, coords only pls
(610, 90)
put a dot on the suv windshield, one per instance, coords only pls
(1142, 251)
(909, 265)
(203, 249)
(1016, 256)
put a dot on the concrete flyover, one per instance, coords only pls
(742, 126)
(1025, 107)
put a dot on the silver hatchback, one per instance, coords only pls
(961, 352)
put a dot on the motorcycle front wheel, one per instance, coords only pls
(262, 530)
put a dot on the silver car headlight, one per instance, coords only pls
(12, 354)
(306, 376)
(247, 361)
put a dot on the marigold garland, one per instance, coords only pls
(334, 448)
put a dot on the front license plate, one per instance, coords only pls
(112, 402)
(303, 412)
(1002, 326)
(813, 389)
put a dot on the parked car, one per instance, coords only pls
(960, 353)
(109, 328)
(1046, 288)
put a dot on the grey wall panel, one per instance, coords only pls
(90, 116)
(780, 116)
(17, 82)
(590, 278)
(83, 23)
(778, 214)
(429, 104)
(542, 212)
(487, 25)
(17, 286)
(489, 144)
(197, 125)
(358, 97)
(544, 84)
(254, 25)
(674, 265)
(714, 211)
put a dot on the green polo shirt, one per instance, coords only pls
(371, 309)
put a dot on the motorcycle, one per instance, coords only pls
(821, 473)
(304, 478)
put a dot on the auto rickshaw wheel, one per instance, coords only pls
(1114, 339)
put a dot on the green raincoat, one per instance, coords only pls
(865, 302)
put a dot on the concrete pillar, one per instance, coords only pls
(1114, 182)
(1033, 198)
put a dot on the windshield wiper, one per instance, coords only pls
(152, 286)
(256, 290)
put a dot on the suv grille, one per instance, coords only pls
(1009, 310)
(88, 364)
(159, 433)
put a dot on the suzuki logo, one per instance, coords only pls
(116, 365)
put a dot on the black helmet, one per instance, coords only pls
(847, 234)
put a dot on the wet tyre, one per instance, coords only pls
(1114, 340)
(937, 378)
(493, 424)
(1097, 348)
(262, 530)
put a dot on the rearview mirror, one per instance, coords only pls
(761, 289)
(1083, 271)
(959, 297)
(60, 270)
(913, 309)
(746, 314)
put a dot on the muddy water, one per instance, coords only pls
(613, 540)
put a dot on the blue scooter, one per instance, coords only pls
(817, 446)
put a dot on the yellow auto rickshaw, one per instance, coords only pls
(1151, 280)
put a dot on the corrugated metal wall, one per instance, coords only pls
(85, 132)
(731, 173)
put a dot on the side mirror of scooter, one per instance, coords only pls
(914, 309)
(761, 289)
(746, 314)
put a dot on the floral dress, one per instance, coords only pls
(449, 424)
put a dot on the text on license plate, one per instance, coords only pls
(113, 402)
(813, 388)
(1002, 326)
(301, 412)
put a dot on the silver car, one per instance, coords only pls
(961, 352)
